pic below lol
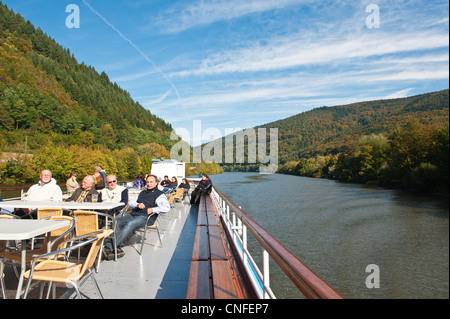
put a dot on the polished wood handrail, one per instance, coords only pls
(309, 283)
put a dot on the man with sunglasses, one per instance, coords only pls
(114, 193)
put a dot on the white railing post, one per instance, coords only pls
(233, 226)
(244, 244)
(266, 274)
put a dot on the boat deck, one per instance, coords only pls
(160, 273)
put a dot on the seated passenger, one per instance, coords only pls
(174, 182)
(114, 194)
(150, 201)
(46, 190)
(204, 187)
(138, 182)
(72, 183)
(166, 184)
(85, 192)
(185, 184)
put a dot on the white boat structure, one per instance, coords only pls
(169, 167)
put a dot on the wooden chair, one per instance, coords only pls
(45, 213)
(86, 222)
(48, 212)
(177, 195)
(51, 270)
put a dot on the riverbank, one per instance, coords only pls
(441, 192)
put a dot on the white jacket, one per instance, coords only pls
(49, 192)
(112, 196)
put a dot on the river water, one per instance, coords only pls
(337, 230)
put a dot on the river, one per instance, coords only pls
(339, 229)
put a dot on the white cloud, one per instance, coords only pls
(399, 94)
(207, 12)
(294, 51)
(149, 101)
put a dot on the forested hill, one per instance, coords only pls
(50, 98)
(329, 130)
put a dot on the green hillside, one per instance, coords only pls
(328, 130)
(43, 88)
(401, 143)
(49, 102)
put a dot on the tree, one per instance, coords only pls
(409, 146)
(107, 133)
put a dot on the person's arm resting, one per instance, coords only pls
(163, 205)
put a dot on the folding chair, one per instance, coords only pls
(45, 213)
(155, 226)
(178, 194)
(86, 223)
(75, 274)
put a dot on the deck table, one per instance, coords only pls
(23, 229)
(63, 205)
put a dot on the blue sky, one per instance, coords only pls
(236, 64)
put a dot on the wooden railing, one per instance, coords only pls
(239, 224)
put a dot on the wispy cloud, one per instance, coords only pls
(294, 51)
(399, 94)
(151, 100)
(207, 12)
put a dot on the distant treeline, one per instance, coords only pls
(415, 158)
(125, 163)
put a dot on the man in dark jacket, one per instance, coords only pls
(85, 191)
(152, 202)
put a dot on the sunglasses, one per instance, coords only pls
(111, 182)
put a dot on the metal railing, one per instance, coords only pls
(239, 225)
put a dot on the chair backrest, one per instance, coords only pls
(7, 215)
(57, 236)
(179, 193)
(95, 248)
(171, 199)
(61, 234)
(85, 222)
(48, 212)
(124, 211)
